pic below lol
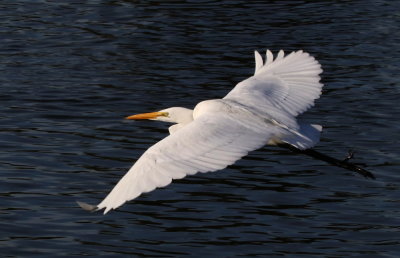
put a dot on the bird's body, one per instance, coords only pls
(258, 111)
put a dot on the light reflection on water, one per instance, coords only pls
(71, 71)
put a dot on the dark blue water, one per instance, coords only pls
(71, 70)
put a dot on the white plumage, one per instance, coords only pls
(259, 110)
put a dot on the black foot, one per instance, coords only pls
(350, 155)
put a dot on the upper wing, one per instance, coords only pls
(288, 83)
(208, 143)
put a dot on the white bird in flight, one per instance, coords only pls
(259, 110)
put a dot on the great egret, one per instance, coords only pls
(258, 111)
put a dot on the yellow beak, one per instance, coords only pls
(151, 115)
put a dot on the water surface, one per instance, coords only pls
(71, 70)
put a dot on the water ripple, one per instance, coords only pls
(71, 71)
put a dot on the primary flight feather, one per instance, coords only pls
(258, 111)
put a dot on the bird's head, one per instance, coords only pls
(178, 115)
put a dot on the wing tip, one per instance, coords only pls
(269, 57)
(259, 61)
(88, 207)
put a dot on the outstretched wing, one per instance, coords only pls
(283, 88)
(208, 143)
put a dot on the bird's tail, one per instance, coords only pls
(306, 137)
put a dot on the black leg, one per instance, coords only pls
(340, 163)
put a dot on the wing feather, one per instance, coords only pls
(259, 61)
(289, 84)
(269, 57)
(209, 143)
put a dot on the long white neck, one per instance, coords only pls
(178, 115)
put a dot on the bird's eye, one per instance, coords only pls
(165, 114)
